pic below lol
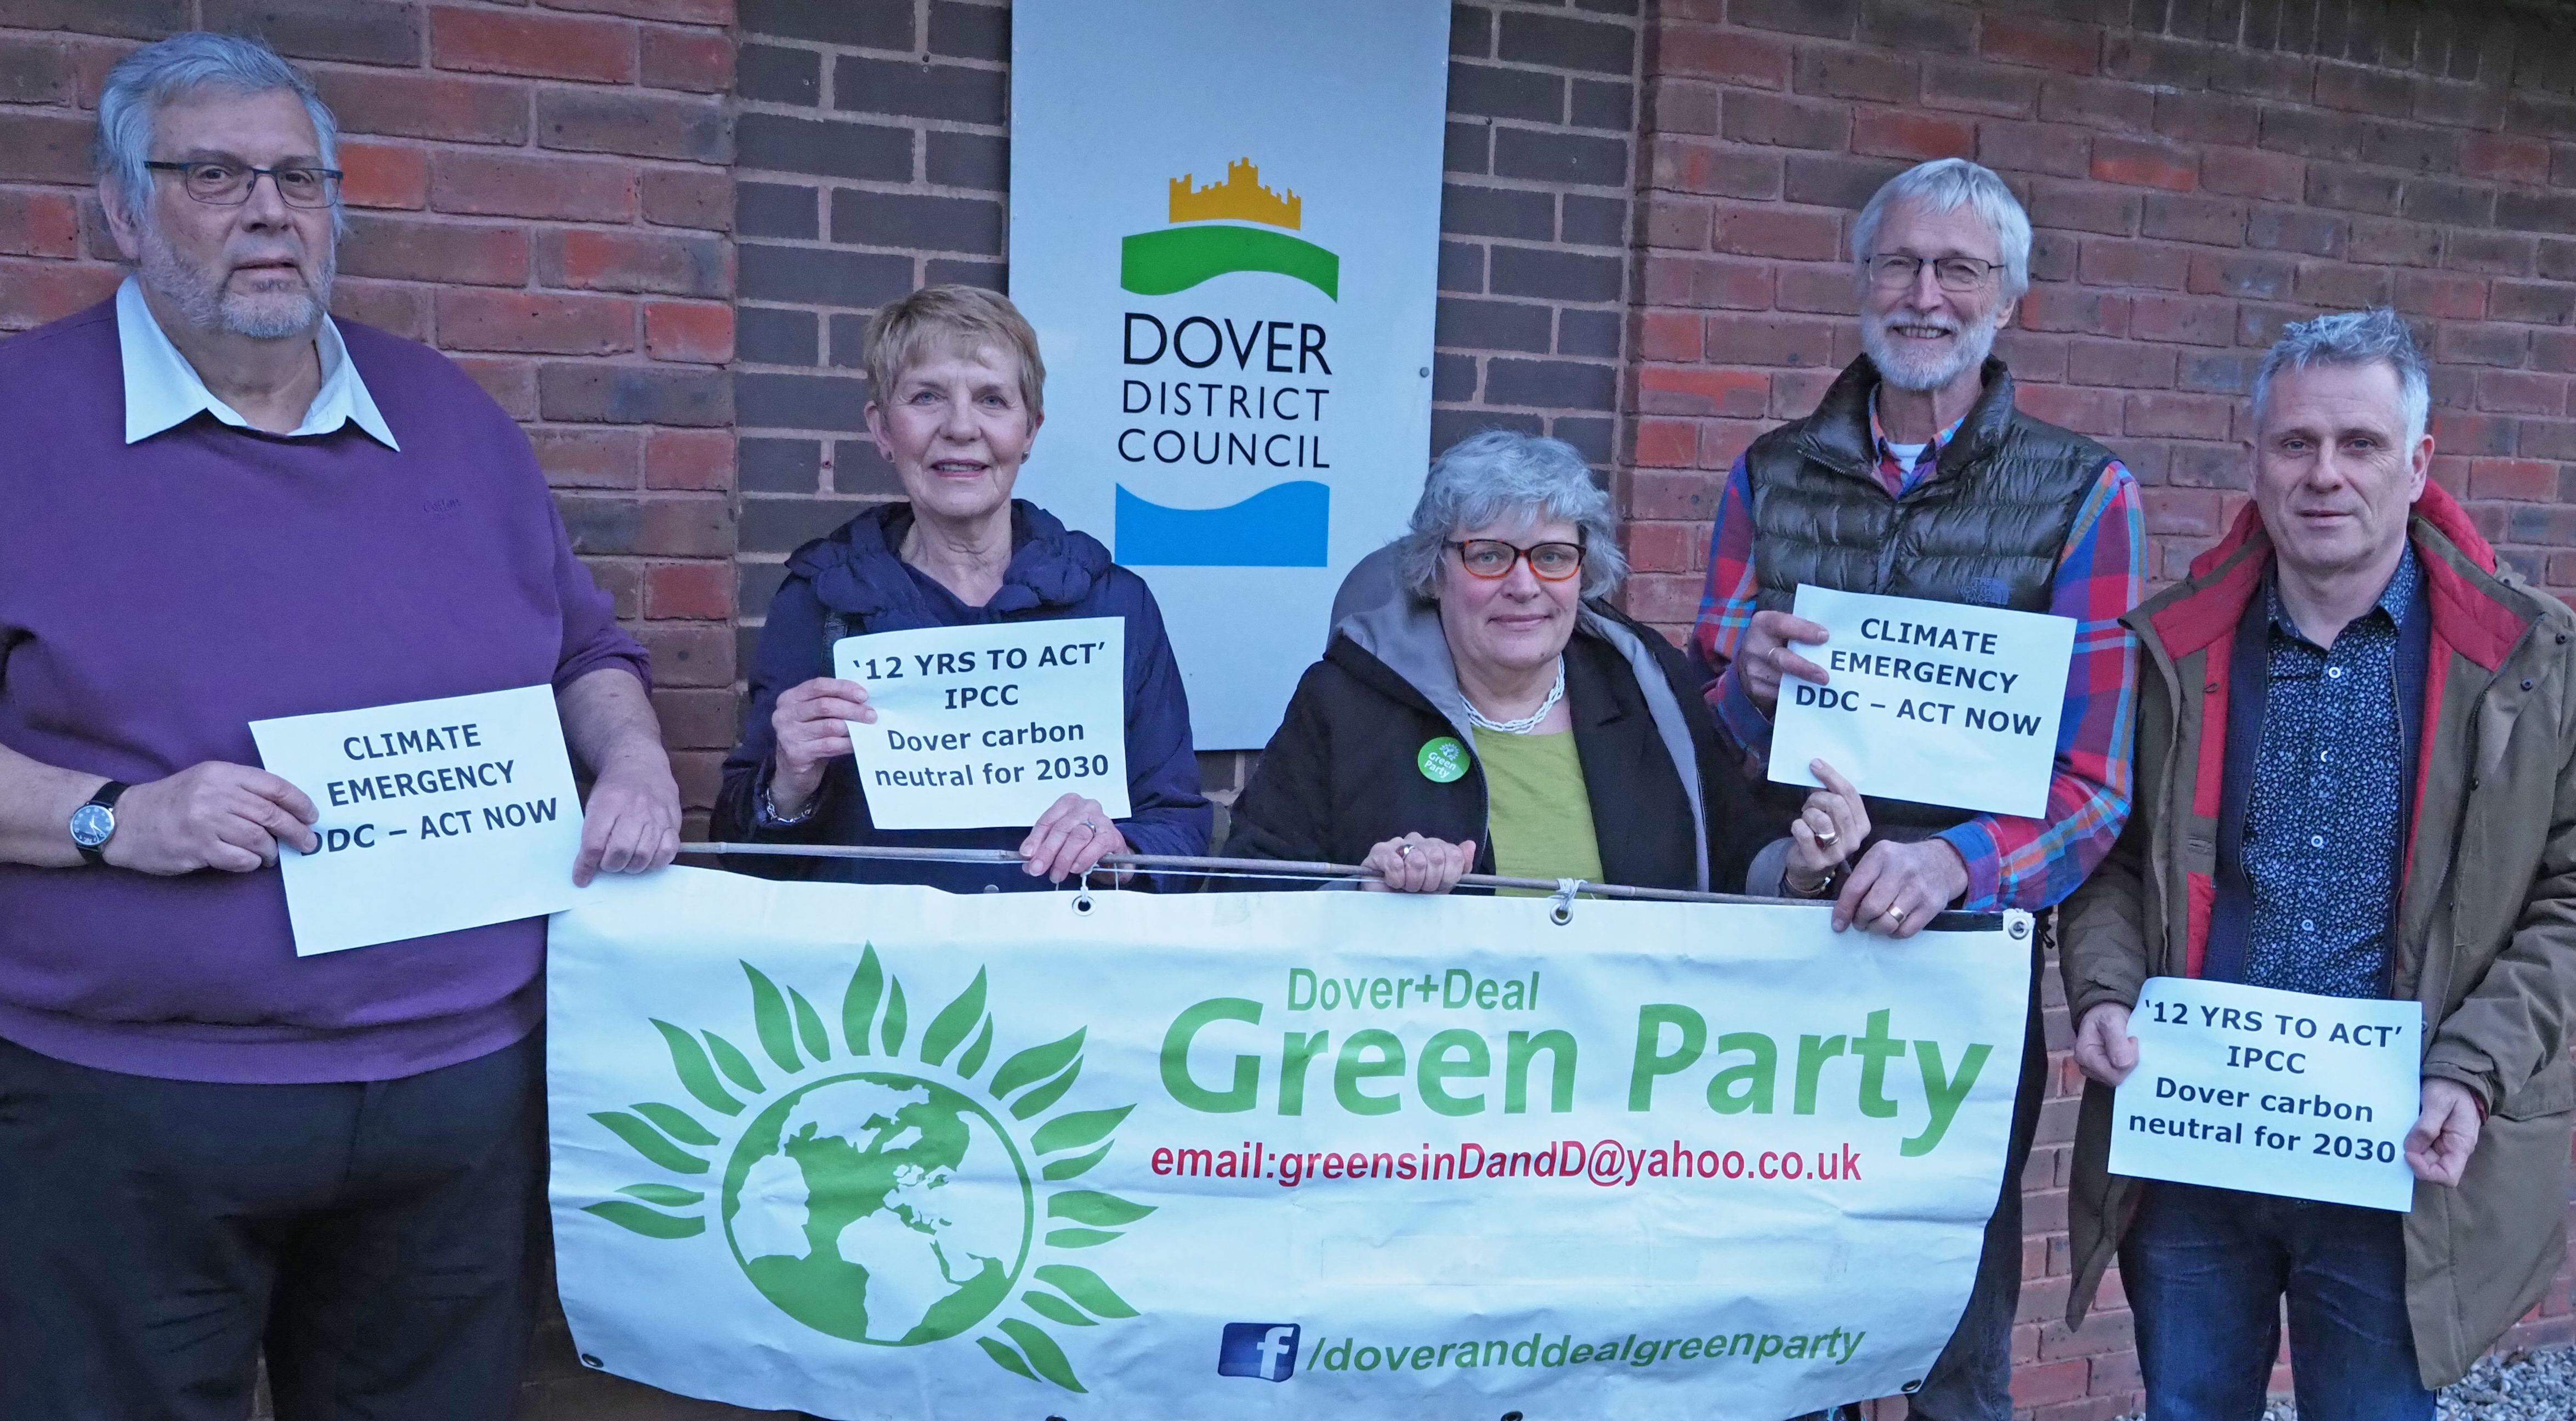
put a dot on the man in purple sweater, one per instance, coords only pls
(218, 506)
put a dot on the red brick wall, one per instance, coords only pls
(541, 192)
(2200, 172)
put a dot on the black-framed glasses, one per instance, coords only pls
(1895, 272)
(1492, 558)
(229, 184)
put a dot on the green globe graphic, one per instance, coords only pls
(850, 1203)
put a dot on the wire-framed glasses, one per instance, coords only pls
(229, 184)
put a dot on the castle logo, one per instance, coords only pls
(1205, 241)
(882, 1201)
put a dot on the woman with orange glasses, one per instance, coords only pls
(1490, 712)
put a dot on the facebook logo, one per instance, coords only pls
(1264, 1350)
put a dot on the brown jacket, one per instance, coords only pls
(2486, 935)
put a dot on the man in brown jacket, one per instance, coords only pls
(2356, 753)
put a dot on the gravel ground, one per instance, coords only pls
(2523, 1386)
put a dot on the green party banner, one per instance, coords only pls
(880, 1152)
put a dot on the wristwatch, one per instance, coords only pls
(765, 815)
(94, 823)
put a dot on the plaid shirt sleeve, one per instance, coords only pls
(1725, 609)
(2012, 862)
(2035, 863)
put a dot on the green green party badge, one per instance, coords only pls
(1442, 759)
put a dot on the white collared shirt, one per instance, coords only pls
(162, 390)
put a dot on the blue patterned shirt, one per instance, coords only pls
(2322, 818)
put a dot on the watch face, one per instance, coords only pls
(91, 824)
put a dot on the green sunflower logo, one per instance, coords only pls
(887, 1204)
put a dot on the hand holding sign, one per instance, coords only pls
(210, 815)
(812, 722)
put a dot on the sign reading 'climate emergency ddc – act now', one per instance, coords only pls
(987, 726)
(1935, 702)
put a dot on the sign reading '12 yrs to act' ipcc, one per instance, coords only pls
(2271, 1092)
(987, 726)
(1934, 702)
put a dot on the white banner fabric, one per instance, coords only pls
(879, 1152)
(990, 725)
(1225, 227)
(2271, 1092)
(436, 815)
(1934, 702)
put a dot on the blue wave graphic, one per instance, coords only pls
(1286, 525)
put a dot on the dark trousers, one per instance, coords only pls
(2205, 1271)
(156, 1236)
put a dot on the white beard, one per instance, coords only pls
(207, 306)
(1907, 371)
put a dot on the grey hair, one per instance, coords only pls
(1488, 477)
(1945, 185)
(150, 77)
(2377, 336)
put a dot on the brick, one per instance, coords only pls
(948, 224)
(685, 60)
(510, 185)
(134, 19)
(535, 45)
(1786, 122)
(2241, 172)
(2505, 157)
(2155, 59)
(680, 331)
(2185, 320)
(1820, 180)
(1856, 74)
(1495, 92)
(1980, 88)
(2426, 293)
(776, 210)
(2082, 207)
(34, 72)
(1576, 159)
(2241, 274)
(2521, 392)
(1490, 325)
(397, 307)
(1680, 106)
(1476, 210)
(1597, 334)
(2212, 222)
(2532, 302)
(454, 109)
(323, 29)
(686, 12)
(780, 465)
(1728, 56)
(2351, 189)
(1668, 335)
(2207, 118)
(694, 459)
(801, 402)
(689, 591)
(2395, 243)
(1703, 391)
(774, 74)
(392, 175)
(1709, 168)
(2285, 229)
(44, 148)
(1666, 443)
(767, 336)
(683, 197)
(2034, 148)
(670, 264)
(2480, 345)
(534, 322)
(869, 24)
(2554, 213)
(637, 125)
(920, 90)
(2408, 146)
(1555, 275)
(2073, 309)
(1779, 232)
(2310, 134)
(1831, 19)
(2530, 480)
(629, 394)
(2045, 44)
(38, 224)
(1599, 46)
(2128, 365)
(2140, 164)
(587, 458)
(969, 31)
(1918, 26)
(1676, 222)
(1915, 135)
(2472, 434)
(2110, 262)
(415, 249)
(2357, 89)
(1708, 282)
(1808, 342)
(1552, 384)
(2098, 103)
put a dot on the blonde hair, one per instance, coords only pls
(951, 319)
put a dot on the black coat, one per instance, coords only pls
(1342, 774)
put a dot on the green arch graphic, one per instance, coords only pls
(1171, 259)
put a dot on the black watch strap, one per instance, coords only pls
(104, 799)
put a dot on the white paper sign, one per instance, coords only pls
(1934, 702)
(2271, 1092)
(984, 727)
(436, 815)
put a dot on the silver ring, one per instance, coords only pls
(1829, 838)
(1087, 824)
(1404, 851)
(1896, 913)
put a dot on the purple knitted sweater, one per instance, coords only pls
(155, 598)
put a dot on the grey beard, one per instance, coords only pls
(1975, 344)
(203, 305)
